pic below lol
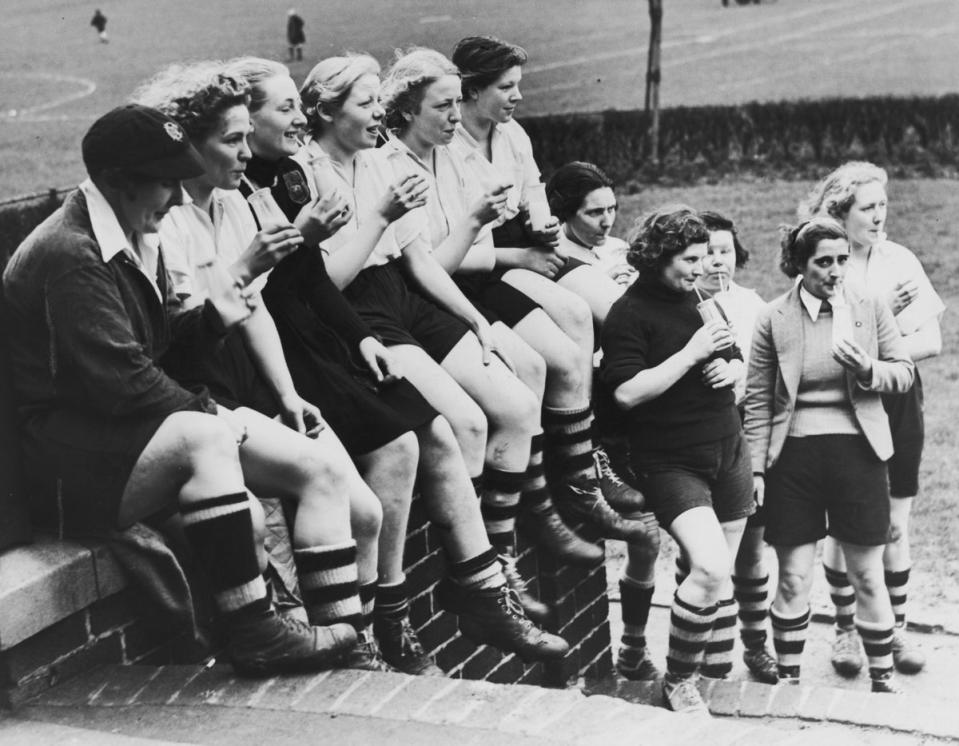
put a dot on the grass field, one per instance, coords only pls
(584, 54)
(921, 217)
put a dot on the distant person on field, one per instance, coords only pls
(294, 34)
(99, 22)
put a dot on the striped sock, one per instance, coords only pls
(392, 602)
(570, 442)
(220, 532)
(877, 641)
(535, 495)
(752, 595)
(367, 603)
(789, 640)
(499, 504)
(635, 600)
(843, 597)
(896, 583)
(718, 658)
(329, 583)
(689, 630)
(481, 571)
(682, 569)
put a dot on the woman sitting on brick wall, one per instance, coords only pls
(109, 438)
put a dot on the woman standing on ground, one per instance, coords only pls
(855, 194)
(674, 375)
(308, 306)
(819, 437)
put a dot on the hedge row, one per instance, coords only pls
(795, 139)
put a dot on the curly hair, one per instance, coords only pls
(256, 70)
(662, 235)
(569, 185)
(405, 83)
(836, 194)
(715, 221)
(194, 95)
(329, 85)
(482, 59)
(798, 243)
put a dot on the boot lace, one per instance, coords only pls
(605, 469)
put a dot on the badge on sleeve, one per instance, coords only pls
(296, 186)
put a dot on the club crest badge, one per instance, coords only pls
(174, 131)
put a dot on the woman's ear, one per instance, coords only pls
(322, 113)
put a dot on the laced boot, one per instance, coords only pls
(636, 664)
(847, 655)
(366, 655)
(906, 657)
(620, 496)
(885, 684)
(549, 531)
(535, 609)
(494, 616)
(401, 648)
(682, 695)
(582, 500)
(267, 644)
(761, 664)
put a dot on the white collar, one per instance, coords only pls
(813, 305)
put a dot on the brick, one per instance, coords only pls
(438, 631)
(817, 704)
(123, 685)
(110, 577)
(208, 687)
(786, 700)
(759, 736)
(115, 612)
(417, 696)
(533, 715)
(482, 662)
(454, 653)
(427, 571)
(416, 547)
(368, 694)
(585, 718)
(849, 707)
(726, 697)
(43, 583)
(167, 684)
(596, 644)
(534, 675)
(422, 609)
(755, 698)
(144, 635)
(492, 704)
(509, 670)
(456, 704)
(104, 651)
(285, 692)
(78, 691)
(42, 649)
(324, 696)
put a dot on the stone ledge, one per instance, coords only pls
(47, 581)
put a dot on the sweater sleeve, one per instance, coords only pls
(625, 346)
(96, 361)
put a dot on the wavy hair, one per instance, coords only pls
(194, 95)
(329, 84)
(662, 235)
(482, 59)
(799, 242)
(836, 193)
(405, 83)
(569, 185)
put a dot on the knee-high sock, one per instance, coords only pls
(635, 599)
(718, 659)
(752, 595)
(789, 640)
(896, 583)
(877, 641)
(843, 597)
(481, 571)
(569, 443)
(330, 585)
(499, 504)
(535, 495)
(220, 532)
(689, 630)
(367, 603)
(392, 602)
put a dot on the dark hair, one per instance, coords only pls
(715, 221)
(799, 242)
(569, 185)
(663, 234)
(482, 59)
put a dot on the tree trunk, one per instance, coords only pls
(653, 75)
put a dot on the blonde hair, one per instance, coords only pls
(405, 83)
(835, 194)
(194, 95)
(256, 70)
(329, 84)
